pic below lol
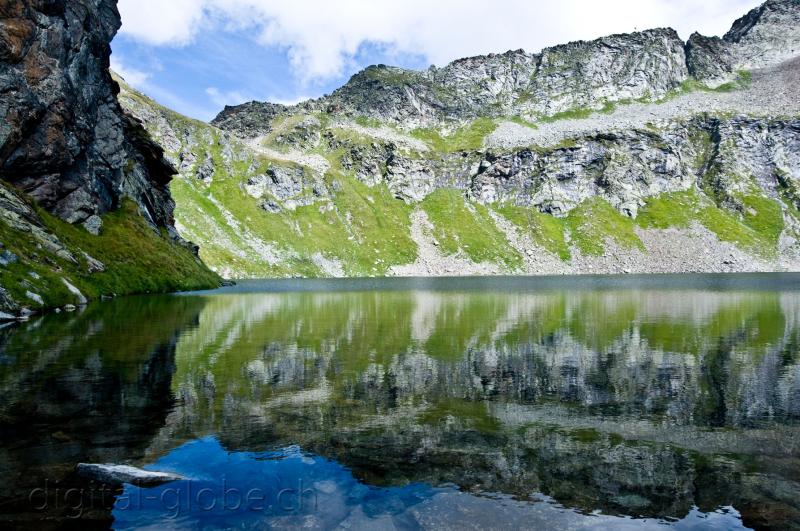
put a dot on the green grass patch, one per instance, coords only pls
(467, 138)
(580, 113)
(677, 209)
(742, 80)
(764, 216)
(543, 229)
(594, 221)
(519, 120)
(137, 259)
(756, 230)
(365, 121)
(468, 227)
(366, 229)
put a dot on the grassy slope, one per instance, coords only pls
(459, 225)
(587, 227)
(368, 231)
(756, 230)
(466, 138)
(136, 259)
(365, 228)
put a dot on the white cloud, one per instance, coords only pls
(162, 21)
(232, 97)
(289, 101)
(322, 36)
(134, 77)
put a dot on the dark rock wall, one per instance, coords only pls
(64, 139)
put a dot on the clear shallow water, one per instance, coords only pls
(589, 402)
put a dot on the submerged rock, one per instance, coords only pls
(119, 474)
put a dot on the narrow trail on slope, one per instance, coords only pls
(316, 162)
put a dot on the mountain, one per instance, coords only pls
(84, 197)
(630, 153)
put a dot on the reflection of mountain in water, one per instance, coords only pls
(631, 402)
(639, 402)
(92, 386)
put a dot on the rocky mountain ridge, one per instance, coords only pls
(613, 161)
(642, 66)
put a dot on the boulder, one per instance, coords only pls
(35, 297)
(75, 291)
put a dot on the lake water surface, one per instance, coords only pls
(572, 402)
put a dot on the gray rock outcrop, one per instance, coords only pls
(249, 119)
(576, 75)
(765, 36)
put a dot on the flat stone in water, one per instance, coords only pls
(118, 474)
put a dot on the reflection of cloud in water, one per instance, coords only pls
(423, 321)
(291, 489)
(619, 400)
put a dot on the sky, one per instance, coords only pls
(196, 56)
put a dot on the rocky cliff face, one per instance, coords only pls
(64, 139)
(635, 152)
(766, 35)
(769, 34)
(70, 155)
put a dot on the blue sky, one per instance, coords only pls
(195, 56)
(227, 67)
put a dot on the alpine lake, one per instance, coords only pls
(615, 402)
